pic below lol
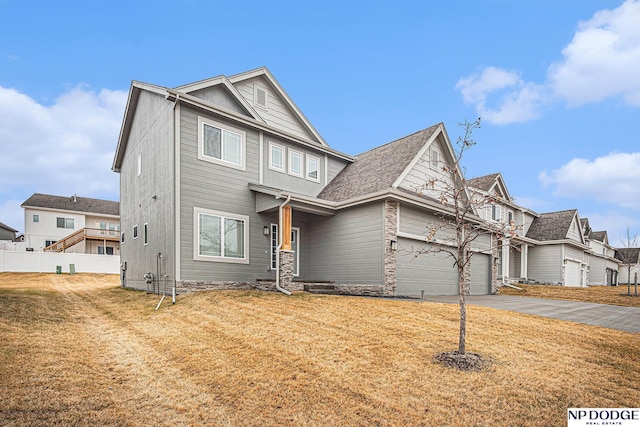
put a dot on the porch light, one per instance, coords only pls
(265, 230)
(394, 245)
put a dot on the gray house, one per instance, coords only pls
(561, 254)
(226, 184)
(7, 233)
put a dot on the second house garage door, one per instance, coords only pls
(435, 273)
(571, 273)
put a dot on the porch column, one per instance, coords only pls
(524, 261)
(506, 249)
(286, 255)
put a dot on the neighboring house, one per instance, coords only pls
(560, 255)
(7, 233)
(629, 264)
(226, 184)
(71, 224)
(603, 266)
(498, 207)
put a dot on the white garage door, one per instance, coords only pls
(571, 273)
(480, 274)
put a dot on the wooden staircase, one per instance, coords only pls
(81, 235)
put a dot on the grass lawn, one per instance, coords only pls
(80, 350)
(613, 295)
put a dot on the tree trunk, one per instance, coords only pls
(462, 342)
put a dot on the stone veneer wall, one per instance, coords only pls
(390, 255)
(494, 264)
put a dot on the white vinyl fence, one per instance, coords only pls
(48, 262)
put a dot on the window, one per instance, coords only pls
(146, 234)
(36, 218)
(220, 236)
(102, 252)
(295, 163)
(64, 222)
(135, 231)
(313, 168)
(139, 165)
(509, 217)
(122, 237)
(495, 212)
(274, 245)
(260, 97)
(433, 158)
(276, 157)
(49, 242)
(221, 144)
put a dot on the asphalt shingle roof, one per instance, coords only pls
(631, 254)
(6, 227)
(73, 203)
(551, 225)
(483, 183)
(376, 169)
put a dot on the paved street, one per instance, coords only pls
(608, 316)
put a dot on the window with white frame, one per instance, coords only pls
(276, 157)
(222, 144)
(145, 233)
(509, 217)
(122, 237)
(313, 168)
(36, 218)
(495, 212)
(295, 163)
(135, 231)
(220, 236)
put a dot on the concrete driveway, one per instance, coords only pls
(608, 316)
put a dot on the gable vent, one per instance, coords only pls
(261, 97)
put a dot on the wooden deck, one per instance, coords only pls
(82, 235)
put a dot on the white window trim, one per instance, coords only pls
(145, 233)
(135, 232)
(273, 145)
(301, 154)
(243, 144)
(196, 236)
(497, 209)
(317, 159)
(122, 237)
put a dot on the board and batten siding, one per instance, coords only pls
(276, 114)
(545, 263)
(148, 198)
(220, 188)
(348, 247)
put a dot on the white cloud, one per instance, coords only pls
(603, 59)
(63, 149)
(612, 178)
(519, 101)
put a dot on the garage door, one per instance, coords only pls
(436, 274)
(571, 273)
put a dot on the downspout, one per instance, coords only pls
(278, 287)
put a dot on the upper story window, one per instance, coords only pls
(64, 222)
(495, 212)
(509, 217)
(276, 157)
(36, 218)
(295, 163)
(222, 144)
(145, 233)
(135, 231)
(313, 168)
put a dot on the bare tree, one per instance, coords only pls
(457, 230)
(628, 253)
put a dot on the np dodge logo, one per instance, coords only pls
(626, 417)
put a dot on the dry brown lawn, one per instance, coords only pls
(613, 295)
(80, 350)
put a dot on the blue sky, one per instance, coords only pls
(556, 83)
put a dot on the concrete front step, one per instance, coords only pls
(321, 289)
